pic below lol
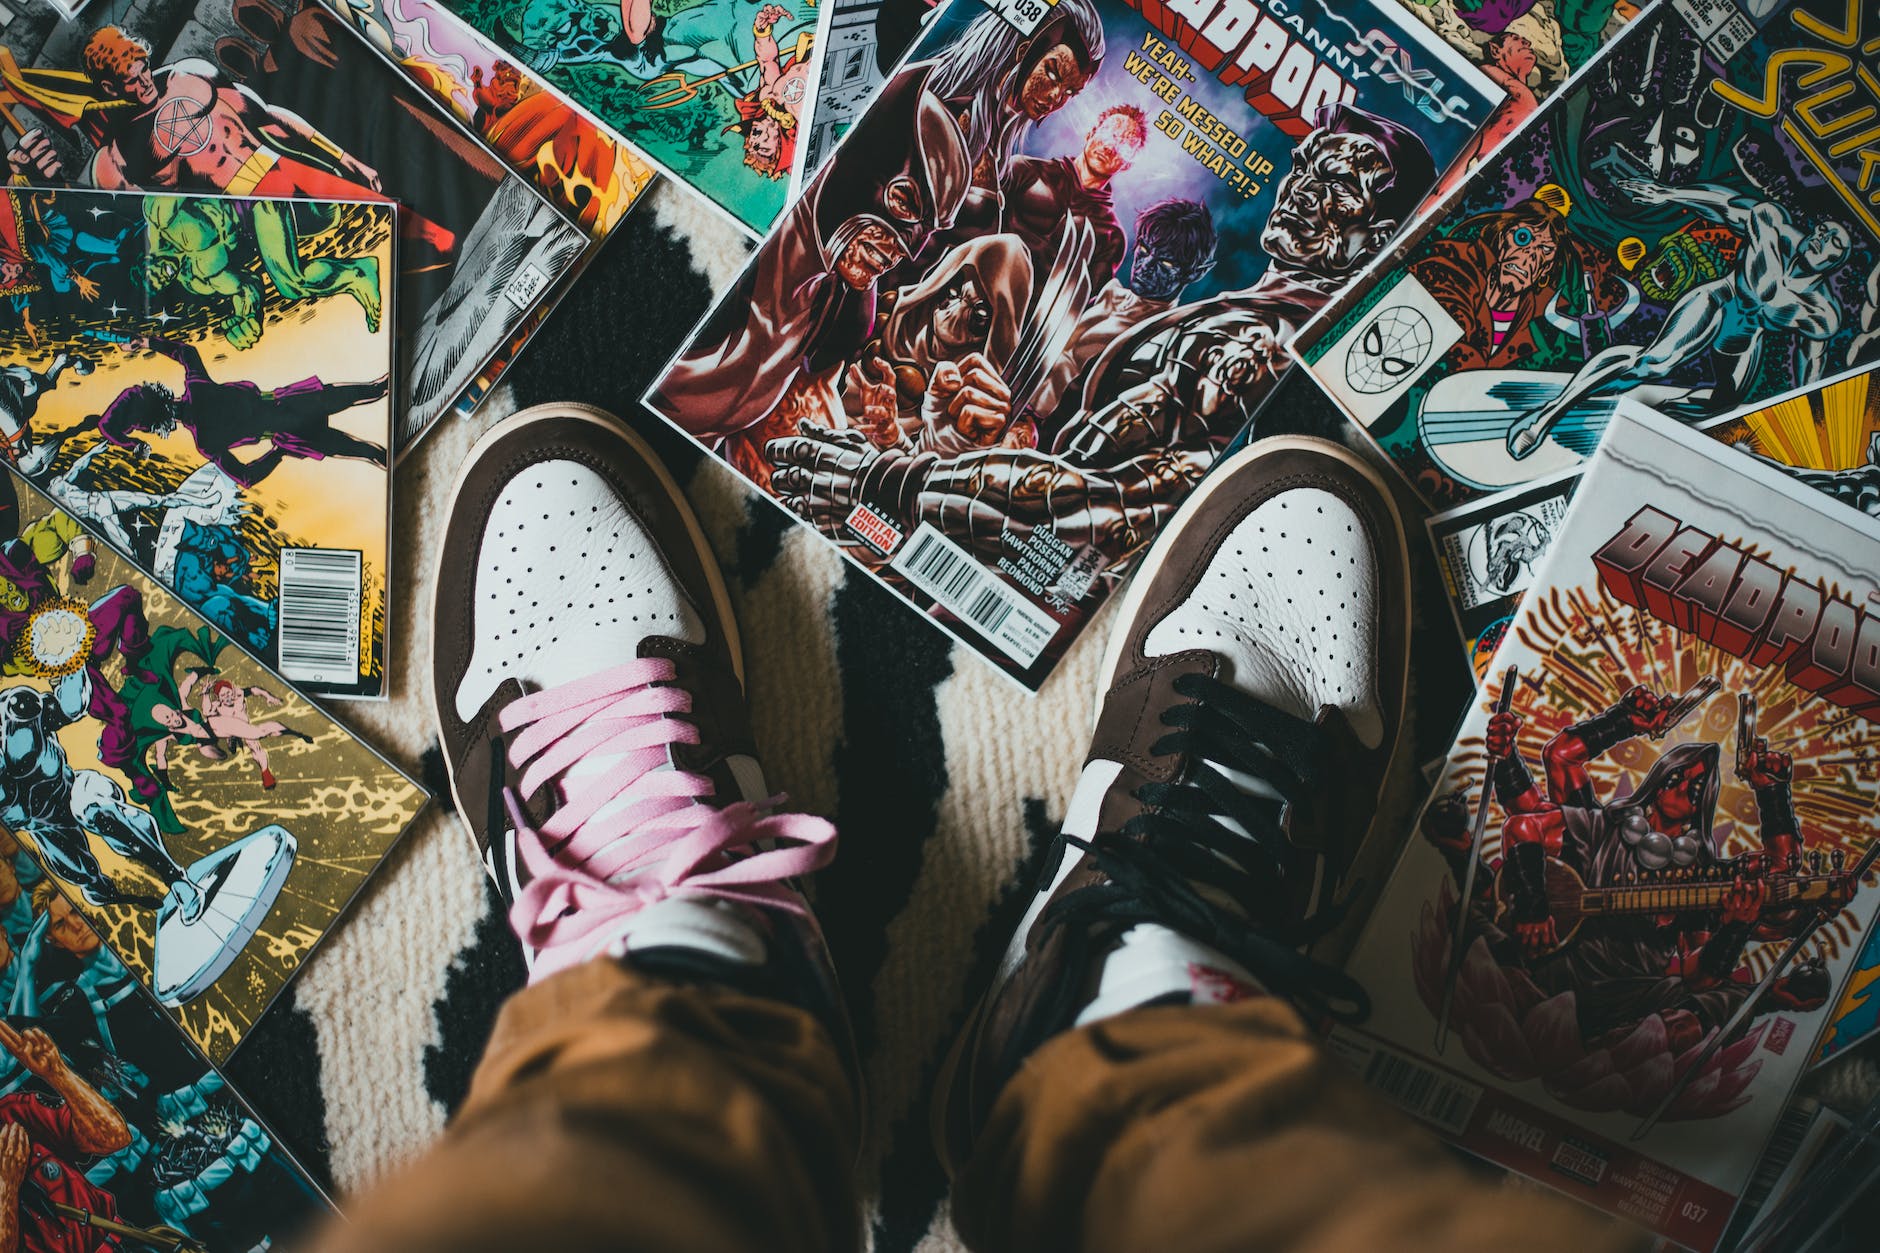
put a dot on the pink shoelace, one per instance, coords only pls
(592, 871)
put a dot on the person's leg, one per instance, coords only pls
(1138, 1076)
(678, 1075)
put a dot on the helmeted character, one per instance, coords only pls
(808, 302)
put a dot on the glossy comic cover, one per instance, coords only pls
(288, 100)
(1528, 48)
(1690, 223)
(114, 1133)
(588, 175)
(714, 92)
(1047, 278)
(204, 817)
(205, 382)
(865, 40)
(1658, 822)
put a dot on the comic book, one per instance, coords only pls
(1856, 1016)
(1530, 48)
(208, 820)
(204, 381)
(865, 41)
(286, 100)
(127, 1138)
(712, 92)
(1826, 436)
(1006, 329)
(1690, 222)
(1660, 815)
(588, 175)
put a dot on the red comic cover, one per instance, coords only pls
(1660, 816)
(1048, 276)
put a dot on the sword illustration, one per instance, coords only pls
(1747, 1008)
(1458, 942)
(1679, 709)
(674, 87)
(169, 1239)
(1745, 731)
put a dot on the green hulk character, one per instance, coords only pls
(205, 246)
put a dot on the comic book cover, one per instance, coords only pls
(1660, 816)
(588, 175)
(1487, 553)
(208, 820)
(712, 92)
(1530, 48)
(204, 381)
(114, 1133)
(281, 100)
(1691, 223)
(1826, 436)
(1045, 280)
(1856, 1016)
(866, 39)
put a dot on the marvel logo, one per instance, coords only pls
(1781, 1031)
(873, 530)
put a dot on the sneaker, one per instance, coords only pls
(1253, 700)
(589, 697)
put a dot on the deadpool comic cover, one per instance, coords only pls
(1049, 275)
(1625, 917)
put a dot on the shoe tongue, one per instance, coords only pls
(716, 929)
(1153, 964)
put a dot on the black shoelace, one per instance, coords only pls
(1158, 865)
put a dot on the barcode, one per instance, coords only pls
(1427, 1093)
(948, 573)
(319, 604)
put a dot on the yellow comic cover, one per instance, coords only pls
(205, 381)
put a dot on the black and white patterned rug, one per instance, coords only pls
(944, 779)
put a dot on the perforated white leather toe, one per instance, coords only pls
(1288, 601)
(567, 583)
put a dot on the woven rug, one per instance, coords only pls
(944, 778)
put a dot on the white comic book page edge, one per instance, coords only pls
(1794, 393)
(1441, 526)
(799, 166)
(1383, 8)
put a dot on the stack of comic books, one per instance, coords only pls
(1634, 904)
(717, 94)
(1690, 221)
(195, 418)
(298, 100)
(1049, 274)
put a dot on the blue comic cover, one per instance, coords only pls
(1064, 246)
(717, 93)
(1691, 223)
(206, 382)
(114, 1133)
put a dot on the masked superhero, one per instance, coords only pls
(808, 303)
(1687, 966)
(1165, 398)
(961, 320)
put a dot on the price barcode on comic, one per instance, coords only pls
(1027, 15)
(318, 636)
(1425, 1092)
(948, 573)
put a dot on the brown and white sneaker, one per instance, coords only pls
(1253, 704)
(588, 691)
